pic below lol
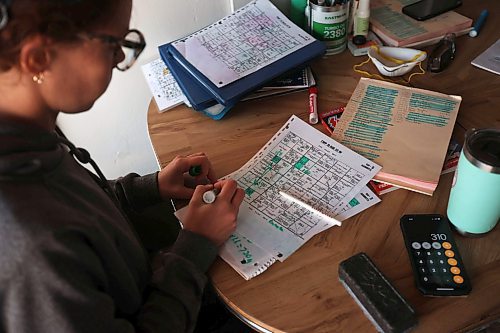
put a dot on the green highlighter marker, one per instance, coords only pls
(195, 170)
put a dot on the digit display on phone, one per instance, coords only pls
(434, 257)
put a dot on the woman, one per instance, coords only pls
(70, 260)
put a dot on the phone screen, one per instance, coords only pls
(437, 265)
(425, 9)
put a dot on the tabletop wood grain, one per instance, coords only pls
(303, 294)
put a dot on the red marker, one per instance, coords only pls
(313, 105)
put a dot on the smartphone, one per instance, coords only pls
(437, 265)
(425, 9)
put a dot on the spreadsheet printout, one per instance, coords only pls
(251, 38)
(308, 165)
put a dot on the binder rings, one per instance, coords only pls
(202, 92)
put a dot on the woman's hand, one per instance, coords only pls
(216, 221)
(174, 181)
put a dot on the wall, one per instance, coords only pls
(115, 129)
(283, 5)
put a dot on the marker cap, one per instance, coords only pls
(195, 170)
(209, 196)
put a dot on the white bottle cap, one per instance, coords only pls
(209, 196)
(363, 6)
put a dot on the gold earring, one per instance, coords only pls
(38, 78)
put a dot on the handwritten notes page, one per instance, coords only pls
(165, 90)
(251, 38)
(308, 165)
(406, 130)
(245, 257)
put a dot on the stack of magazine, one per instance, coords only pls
(220, 65)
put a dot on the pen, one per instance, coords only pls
(313, 105)
(195, 170)
(330, 219)
(479, 23)
(210, 196)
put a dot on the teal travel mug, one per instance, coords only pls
(474, 203)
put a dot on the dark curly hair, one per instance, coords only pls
(60, 20)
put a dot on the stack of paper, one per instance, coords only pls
(300, 161)
(405, 130)
(229, 59)
(450, 165)
(167, 93)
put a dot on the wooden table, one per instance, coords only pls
(303, 294)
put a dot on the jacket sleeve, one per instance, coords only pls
(66, 287)
(165, 293)
(135, 192)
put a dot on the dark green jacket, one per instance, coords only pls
(70, 261)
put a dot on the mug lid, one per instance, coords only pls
(482, 149)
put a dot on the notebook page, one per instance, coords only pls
(245, 257)
(249, 39)
(310, 166)
(163, 87)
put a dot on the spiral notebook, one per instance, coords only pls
(245, 257)
(316, 171)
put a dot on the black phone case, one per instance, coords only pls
(376, 295)
(413, 11)
(429, 258)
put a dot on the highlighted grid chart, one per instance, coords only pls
(307, 172)
(247, 39)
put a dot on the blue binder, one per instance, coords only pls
(199, 89)
(198, 97)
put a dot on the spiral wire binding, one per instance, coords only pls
(261, 268)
